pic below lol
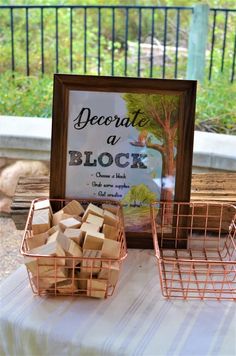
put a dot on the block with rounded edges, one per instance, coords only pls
(96, 288)
(111, 248)
(93, 240)
(110, 232)
(96, 220)
(69, 223)
(73, 208)
(41, 221)
(92, 209)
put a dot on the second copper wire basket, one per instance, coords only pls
(195, 247)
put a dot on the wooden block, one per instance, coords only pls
(110, 232)
(110, 272)
(87, 227)
(111, 248)
(41, 221)
(91, 265)
(58, 216)
(67, 287)
(69, 223)
(110, 218)
(111, 207)
(96, 288)
(82, 280)
(43, 264)
(49, 278)
(95, 220)
(37, 240)
(60, 238)
(93, 240)
(73, 208)
(33, 264)
(74, 234)
(43, 204)
(53, 229)
(50, 250)
(74, 250)
(92, 209)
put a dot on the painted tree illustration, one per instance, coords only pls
(138, 195)
(161, 114)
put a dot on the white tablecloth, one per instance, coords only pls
(136, 320)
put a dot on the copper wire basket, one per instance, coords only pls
(195, 247)
(86, 284)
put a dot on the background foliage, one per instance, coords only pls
(32, 96)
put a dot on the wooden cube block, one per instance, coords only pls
(53, 229)
(93, 240)
(67, 287)
(37, 240)
(74, 234)
(83, 280)
(91, 265)
(41, 221)
(111, 207)
(45, 263)
(73, 208)
(50, 277)
(43, 204)
(96, 288)
(110, 218)
(87, 227)
(60, 238)
(110, 232)
(75, 251)
(92, 209)
(95, 220)
(111, 248)
(58, 216)
(110, 272)
(69, 223)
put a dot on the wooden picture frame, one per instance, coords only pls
(85, 112)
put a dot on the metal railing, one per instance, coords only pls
(142, 41)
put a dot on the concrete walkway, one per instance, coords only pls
(30, 138)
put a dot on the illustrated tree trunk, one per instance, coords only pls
(168, 170)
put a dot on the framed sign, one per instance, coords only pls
(127, 139)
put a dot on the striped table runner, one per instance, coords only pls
(136, 320)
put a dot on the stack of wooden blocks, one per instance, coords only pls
(74, 250)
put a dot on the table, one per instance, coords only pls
(136, 320)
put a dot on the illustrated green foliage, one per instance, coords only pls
(152, 105)
(138, 195)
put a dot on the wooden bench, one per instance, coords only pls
(207, 187)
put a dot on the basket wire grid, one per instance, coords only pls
(77, 285)
(195, 247)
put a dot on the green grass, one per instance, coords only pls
(32, 96)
